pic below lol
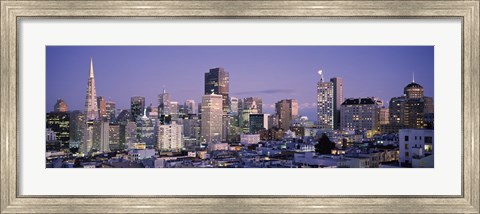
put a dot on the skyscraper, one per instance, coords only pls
(212, 114)
(110, 110)
(104, 136)
(325, 103)
(234, 105)
(337, 99)
(217, 80)
(102, 108)
(164, 103)
(286, 111)
(137, 107)
(91, 108)
(91, 113)
(61, 106)
(408, 111)
(190, 107)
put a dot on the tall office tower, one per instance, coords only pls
(258, 122)
(77, 126)
(110, 110)
(104, 136)
(91, 113)
(137, 107)
(170, 137)
(61, 106)
(337, 99)
(359, 114)
(130, 134)
(102, 107)
(217, 80)
(191, 126)
(164, 103)
(408, 111)
(272, 121)
(91, 108)
(190, 107)
(146, 130)
(174, 109)
(234, 105)
(226, 119)
(286, 110)
(325, 103)
(114, 136)
(212, 114)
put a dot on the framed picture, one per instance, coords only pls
(245, 106)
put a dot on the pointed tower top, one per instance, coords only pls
(164, 91)
(413, 79)
(320, 72)
(91, 67)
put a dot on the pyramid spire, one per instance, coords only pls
(91, 68)
(413, 79)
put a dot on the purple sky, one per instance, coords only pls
(270, 72)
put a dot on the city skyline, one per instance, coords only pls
(275, 76)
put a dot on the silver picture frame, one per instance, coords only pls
(13, 11)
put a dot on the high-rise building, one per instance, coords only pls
(104, 136)
(137, 107)
(146, 130)
(164, 103)
(102, 108)
(91, 108)
(77, 126)
(408, 111)
(234, 105)
(252, 103)
(110, 110)
(212, 114)
(174, 109)
(130, 134)
(325, 103)
(191, 126)
(91, 113)
(359, 113)
(337, 99)
(190, 107)
(114, 136)
(258, 122)
(170, 137)
(286, 110)
(217, 81)
(61, 106)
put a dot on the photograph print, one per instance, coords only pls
(239, 107)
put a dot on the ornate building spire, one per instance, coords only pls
(91, 108)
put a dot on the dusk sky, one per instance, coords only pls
(270, 72)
